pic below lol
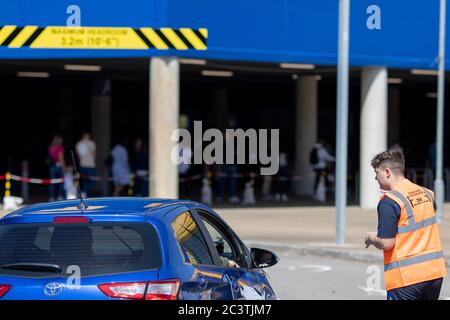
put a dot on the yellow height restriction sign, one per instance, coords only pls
(103, 38)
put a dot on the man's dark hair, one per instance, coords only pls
(393, 160)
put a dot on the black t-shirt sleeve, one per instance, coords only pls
(388, 216)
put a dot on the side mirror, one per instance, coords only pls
(263, 258)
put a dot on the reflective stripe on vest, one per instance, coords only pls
(430, 195)
(412, 224)
(414, 260)
(417, 225)
(407, 204)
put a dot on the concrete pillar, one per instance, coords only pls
(373, 134)
(305, 132)
(101, 128)
(164, 114)
(394, 115)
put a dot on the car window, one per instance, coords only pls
(98, 249)
(191, 241)
(222, 240)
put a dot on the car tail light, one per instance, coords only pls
(163, 290)
(59, 220)
(155, 290)
(4, 288)
(127, 290)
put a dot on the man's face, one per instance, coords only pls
(382, 175)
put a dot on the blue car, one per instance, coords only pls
(127, 248)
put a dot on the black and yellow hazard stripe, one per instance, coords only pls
(103, 38)
(180, 39)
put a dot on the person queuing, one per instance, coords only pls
(86, 151)
(120, 167)
(56, 167)
(319, 158)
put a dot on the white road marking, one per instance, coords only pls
(316, 268)
(292, 268)
(373, 291)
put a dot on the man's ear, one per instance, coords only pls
(388, 172)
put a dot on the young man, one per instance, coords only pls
(408, 233)
(320, 166)
(86, 150)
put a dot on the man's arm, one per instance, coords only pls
(388, 216)
(379, 243)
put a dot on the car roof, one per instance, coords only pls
(100, 206)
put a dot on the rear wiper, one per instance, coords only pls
(37, 267)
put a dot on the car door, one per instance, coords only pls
(200, 272)
(245, 281)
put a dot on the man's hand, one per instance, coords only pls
(232, 264)
(370, 238)
(379, 243)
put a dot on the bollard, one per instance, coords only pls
(8, 184)
(131, 186)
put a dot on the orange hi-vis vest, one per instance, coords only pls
(417, 255)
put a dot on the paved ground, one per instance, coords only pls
(316, 278)
(313, 228)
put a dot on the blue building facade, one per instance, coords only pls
(398, 34)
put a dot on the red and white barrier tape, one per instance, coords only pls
(182, 179)
(37, 181)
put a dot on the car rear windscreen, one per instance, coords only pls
(97, 248)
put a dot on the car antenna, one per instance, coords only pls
(82, 206)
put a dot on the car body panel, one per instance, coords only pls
(208, 282)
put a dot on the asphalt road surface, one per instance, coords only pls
(317, 278)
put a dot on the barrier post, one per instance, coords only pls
(8, 184)
(131, 186)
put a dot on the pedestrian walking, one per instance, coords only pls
(86, 151)
(120, 167)
(408, 233)
(319, 158)
(56, 167)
